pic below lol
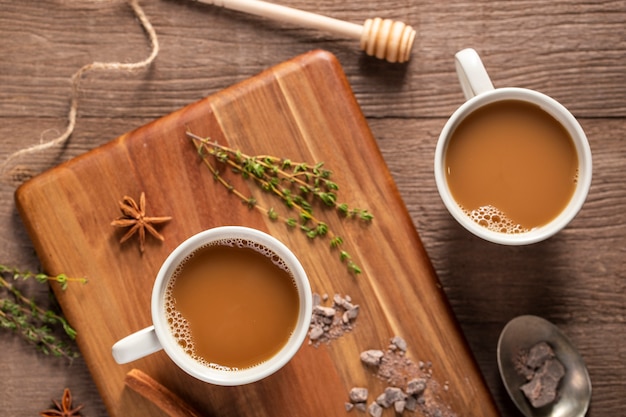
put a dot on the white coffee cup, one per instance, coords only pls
(479, 91)
(159, 336)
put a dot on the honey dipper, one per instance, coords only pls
(382, 38)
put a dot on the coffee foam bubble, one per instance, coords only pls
(495, 220)
(179, 326)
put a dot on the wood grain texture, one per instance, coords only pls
(574, 50)
(205, 48)
(305, 109)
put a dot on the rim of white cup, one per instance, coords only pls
(563, 116)
(247, 375)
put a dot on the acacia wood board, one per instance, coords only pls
(304, 110)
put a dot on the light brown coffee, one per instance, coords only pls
(511, 166)
(232, 305)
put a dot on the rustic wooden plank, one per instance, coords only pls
(549, 46)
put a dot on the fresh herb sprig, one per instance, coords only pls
(296, 184)
(22, 315)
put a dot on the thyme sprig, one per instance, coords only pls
(22, 315)
(297, 184)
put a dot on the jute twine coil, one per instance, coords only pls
(20, 173)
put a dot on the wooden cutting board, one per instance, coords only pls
(303, 110)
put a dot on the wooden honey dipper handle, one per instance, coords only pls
(384, 39)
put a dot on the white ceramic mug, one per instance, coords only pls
(479, 91)
(159, 336)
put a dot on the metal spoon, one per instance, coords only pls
(574, 389)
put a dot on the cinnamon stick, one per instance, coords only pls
(158, 394)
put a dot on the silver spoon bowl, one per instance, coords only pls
(574, 390)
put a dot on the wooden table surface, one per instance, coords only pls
(572, 50)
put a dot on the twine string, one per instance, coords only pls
(75, 80)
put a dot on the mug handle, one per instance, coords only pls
(136, 346)
(472, 73)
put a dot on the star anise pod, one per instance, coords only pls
(64, 409)
(134, 216)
